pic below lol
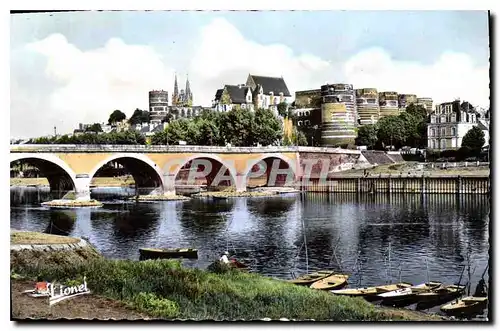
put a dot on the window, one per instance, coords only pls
(443, 131)
(243, 106)
(307, 122)
(443, 119)
(299, 123)
(453, 117)
(453, 131)
(443, 143)
(307, 113)
(433, 132)
(433, 119)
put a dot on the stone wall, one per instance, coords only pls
(336, 162)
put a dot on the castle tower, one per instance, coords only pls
(175, 97)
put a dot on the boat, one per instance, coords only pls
(167, 253)
(310, 278)
(331, 282)
(371, 293)
(465, 306)
(438, 296)
(407, 296)
(238, 265)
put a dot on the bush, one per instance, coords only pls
(156, 306)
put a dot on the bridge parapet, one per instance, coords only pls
(172, 149)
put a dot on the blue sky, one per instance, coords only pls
(76, 67)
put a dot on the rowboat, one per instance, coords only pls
(308, 279)
(407, 296)
(440, 295)
(167, 253)
(465, 306)
(331, 282)
(371, 293)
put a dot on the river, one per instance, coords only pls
(426, 236)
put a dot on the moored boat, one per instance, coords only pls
(407, 296)
(310, 278)
(438, 296)
(465, 306)
(238, 265)
(332, 282)
(167, 253)
(370, 293)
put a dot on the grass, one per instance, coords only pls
(164, 289)
(37, 238)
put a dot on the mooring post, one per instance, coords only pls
(389, 184)
(422, 189)
(458, 184)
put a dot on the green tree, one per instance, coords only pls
(474, 140)
(283, 109)
(367, 136)
(391, 131)
(412, 132)
(417, 111)
(267, 128)
(237, 126)
(96, 127)
(116, 116)
(139, 116)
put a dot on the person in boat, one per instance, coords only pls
(481, 289)
(224, 258)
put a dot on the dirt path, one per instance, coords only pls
(82, 307)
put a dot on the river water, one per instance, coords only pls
(419, 237)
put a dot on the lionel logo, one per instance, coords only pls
(58, 293)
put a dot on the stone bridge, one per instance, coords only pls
(155, 168)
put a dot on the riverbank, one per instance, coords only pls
(166, 290)
(413, 169)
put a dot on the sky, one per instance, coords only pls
(77, 67)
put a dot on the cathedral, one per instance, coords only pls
(185, 97)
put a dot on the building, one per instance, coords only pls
(158, 106)
(185, 97)
(449, 123)
(367, 105)
(388, 102)
(308, 99)
(233, 96)
(405, 100)
(426, 103)
(345, 94)
(178, 112)
(268, 92)
(337, 124)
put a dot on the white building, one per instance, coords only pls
(268, 92)
(232, 96)
(449, 123)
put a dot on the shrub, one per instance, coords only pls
(156, 306)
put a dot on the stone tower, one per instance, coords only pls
(175, 97)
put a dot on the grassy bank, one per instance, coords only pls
(164, 289)
(37, 238)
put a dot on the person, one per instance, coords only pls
(224, 258)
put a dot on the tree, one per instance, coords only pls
(474, 140)
(139, 116)
(267, 128)
(367, 136)
(283, 109)
(236, 126)
(96, 127)
(417, 111)
(391, 131)
(116, 116)
(411, 124)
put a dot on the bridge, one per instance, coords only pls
(157, 168)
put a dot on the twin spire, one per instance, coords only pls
(185, 97)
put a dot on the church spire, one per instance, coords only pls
(189, 95)
(175, 97)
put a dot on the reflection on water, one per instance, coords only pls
(268, 233)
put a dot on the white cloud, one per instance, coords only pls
(89, 84)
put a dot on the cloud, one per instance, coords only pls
(86, 85)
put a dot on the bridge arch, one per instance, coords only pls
(60, 176)
(218, 174)
(267, 160)
(147, 175)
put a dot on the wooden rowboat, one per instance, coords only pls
(465, 306)
(370, 293)
(438, 296)
(308, 279)
(407, 296)
(167, 253)
(332, 282)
